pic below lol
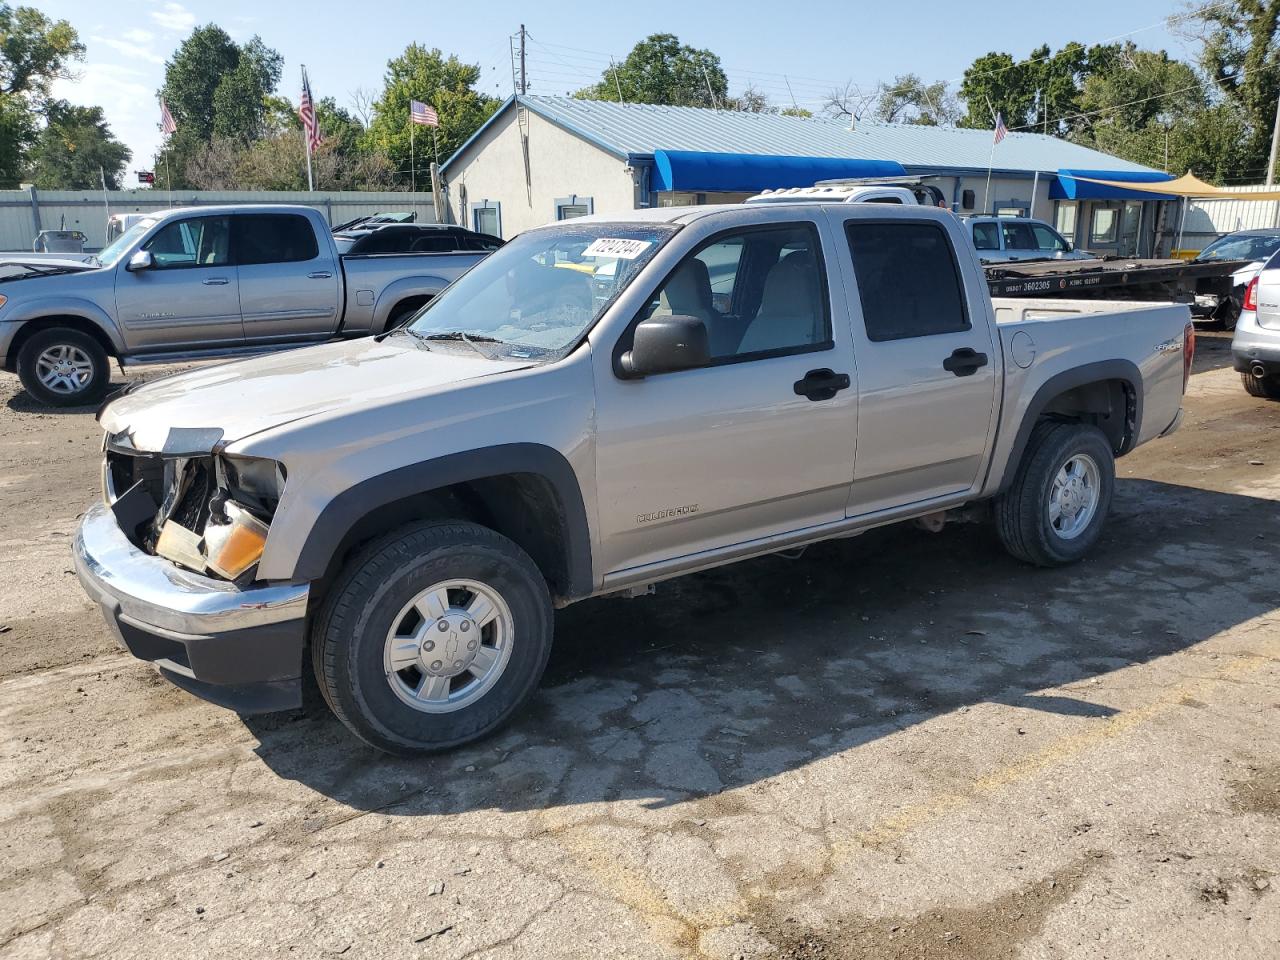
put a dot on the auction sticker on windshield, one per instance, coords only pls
(617, 247)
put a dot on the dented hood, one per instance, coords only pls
(232, 401)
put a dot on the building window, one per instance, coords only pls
(1106, 223)
(1065, 219)
(568, 208)
(486, 217)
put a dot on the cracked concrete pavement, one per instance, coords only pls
(904, 745)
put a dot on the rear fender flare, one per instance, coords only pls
(1124, 371)
(400, 290)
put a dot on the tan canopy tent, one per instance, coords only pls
(1189, 186)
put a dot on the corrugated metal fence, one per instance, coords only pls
(1206, 220)
(24, 213)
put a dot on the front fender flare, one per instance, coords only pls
(344, 511)
(41, 308)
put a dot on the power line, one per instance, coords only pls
(1130, 103)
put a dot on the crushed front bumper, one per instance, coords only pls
(238, 648)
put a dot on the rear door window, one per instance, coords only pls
(1018, 236)
(908, 280)
(986, 236)
(273, 238)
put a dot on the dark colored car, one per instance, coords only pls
(413, 238)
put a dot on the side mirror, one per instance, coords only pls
(666, 344)
(142, 260)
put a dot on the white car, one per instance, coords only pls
(1255, 348)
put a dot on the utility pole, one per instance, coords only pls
(524, 76)
(1275, 138)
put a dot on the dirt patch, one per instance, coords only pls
(1259, 792)
(990, 931)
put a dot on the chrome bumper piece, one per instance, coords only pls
(239, 647)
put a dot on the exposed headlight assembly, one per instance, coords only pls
(227, 533)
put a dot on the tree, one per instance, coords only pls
(660, 69)
(34, 51)
(1240, 51)
(192, 77)
(448, 85)
(1035, 92)
(910, 100)
(76, 150)
(240, 98)
(215, 88)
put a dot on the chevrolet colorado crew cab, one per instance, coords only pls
(201, 282)
(600, 405)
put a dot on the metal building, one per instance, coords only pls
(540, 159)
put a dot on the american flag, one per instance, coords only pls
(423, 114)
(167, 125)
(1001, 130)
(307, 113)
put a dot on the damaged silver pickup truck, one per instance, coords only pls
(599, 406)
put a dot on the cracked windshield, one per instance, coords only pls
(536, 296)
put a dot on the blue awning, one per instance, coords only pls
(750, 172)
(1066, 187)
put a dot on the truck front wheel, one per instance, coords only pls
(64, 367)
(1055, 509)
(432, 636)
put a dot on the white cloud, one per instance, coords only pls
(136, 35)
(135, 51)
(174, 16)
(127, 97)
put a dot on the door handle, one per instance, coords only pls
(821, 384)
(215, 282)
(964, 362)
(319, 275)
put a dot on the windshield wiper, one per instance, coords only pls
(470, 339)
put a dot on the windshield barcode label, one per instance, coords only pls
(616, 247)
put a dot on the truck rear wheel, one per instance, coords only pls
(432, 636)
(1054, 511)
(64, 367)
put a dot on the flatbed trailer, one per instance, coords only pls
(1205, 287)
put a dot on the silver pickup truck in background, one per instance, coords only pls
(197, 283)
(601, 405)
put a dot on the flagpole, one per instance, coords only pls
(990, 163)
(168, 180)
(306, 140)
(413, 167)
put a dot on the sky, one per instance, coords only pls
(799, 50)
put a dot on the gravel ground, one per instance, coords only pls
(905, 746)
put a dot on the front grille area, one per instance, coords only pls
(179, 487)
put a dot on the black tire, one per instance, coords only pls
(349, 634)
(402, 312)
(90, 392)
(1022, 511)
(1268, 387)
